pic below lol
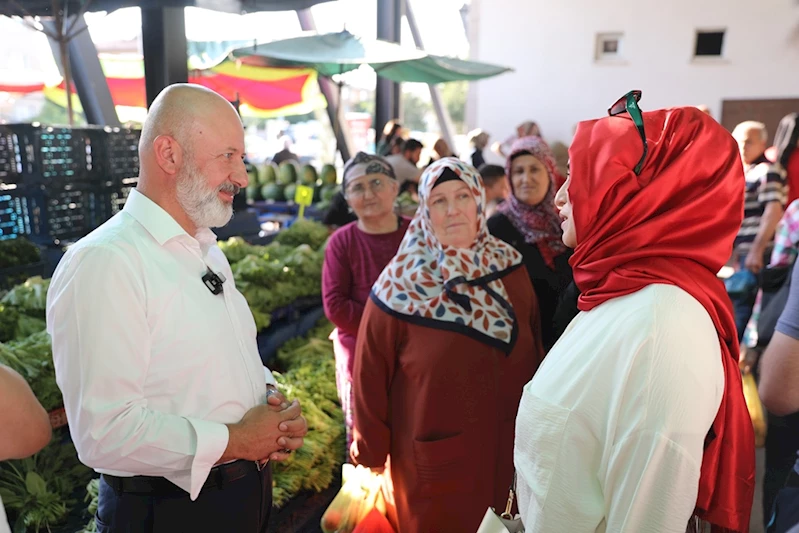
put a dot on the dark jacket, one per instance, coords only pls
(556, 292)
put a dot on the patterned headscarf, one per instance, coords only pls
(450, 288)
(539, 224)
(362, 164)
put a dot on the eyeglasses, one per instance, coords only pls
(629, 103)
(359, 189)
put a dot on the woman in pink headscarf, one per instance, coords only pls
(528, 222)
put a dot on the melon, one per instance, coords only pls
(287, 174)
(252, 174)
(328, 192)
(268, 173)
(329, 176)
(254, 192)
(308, 176)
(289, 191)
(272, 191)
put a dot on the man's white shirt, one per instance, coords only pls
(151, 364)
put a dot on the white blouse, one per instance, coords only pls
(610, 431)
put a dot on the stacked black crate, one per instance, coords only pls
(15, 214)
(60, 167)
(121, 161)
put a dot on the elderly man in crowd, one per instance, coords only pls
(155, 349)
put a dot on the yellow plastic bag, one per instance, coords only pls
(361, 491)
(755, 409)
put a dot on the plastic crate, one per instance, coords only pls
(121, 153)
(62, 215)
(10, 156)
(15, 215)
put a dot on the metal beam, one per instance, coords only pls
(90, 80)
(442, 115)
(387, 93)
(165, 48)
(332, 94)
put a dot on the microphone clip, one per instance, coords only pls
(213, 281)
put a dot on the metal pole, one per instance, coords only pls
(331, 93)
(387, 93)
(90, 80)
(165, 48)
(435, 95)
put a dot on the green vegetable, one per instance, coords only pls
(308, 176)
(268, 174)
(304, 231)
(37, 492)
(30, 297)
(18, 252)
(272, 191)
(32, 358)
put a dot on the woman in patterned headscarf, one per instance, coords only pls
(354, 257)
(528, 222)
(447, 341)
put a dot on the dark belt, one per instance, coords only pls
(218, 477)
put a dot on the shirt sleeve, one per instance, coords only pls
(337, 280)
(654, 484)
(788, 324)
(372, 374)
(787, 237)
(96, 315)
(773, 186)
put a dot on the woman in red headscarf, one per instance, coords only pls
(636, 420)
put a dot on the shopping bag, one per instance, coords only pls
(494, 522)
(375, 522)
(755, 409)
(360, 494)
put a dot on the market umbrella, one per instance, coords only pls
(337, 53)
(45, 8)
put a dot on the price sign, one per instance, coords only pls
(303, 197)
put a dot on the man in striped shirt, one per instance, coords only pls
(766, 193)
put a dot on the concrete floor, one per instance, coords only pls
(756, 524)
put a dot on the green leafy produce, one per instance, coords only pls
(236, 249)
(304, 231)
(93, 497)
(288, 173)
(18, 252)
(38, 492)
(32, 358)
(30, 297)
(311, 377)
(328, 175)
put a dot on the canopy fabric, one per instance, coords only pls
(438, 69)
(263, 92)
(44, 8)
(338, 53)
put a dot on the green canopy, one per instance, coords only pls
(337, 53)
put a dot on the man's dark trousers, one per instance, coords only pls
(240, 506)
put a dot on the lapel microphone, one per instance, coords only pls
(213, 281)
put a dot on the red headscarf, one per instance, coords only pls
(674, 224)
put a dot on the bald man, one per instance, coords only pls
(155, 349)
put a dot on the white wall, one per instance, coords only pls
(557, 82)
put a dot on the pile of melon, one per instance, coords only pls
(272, 183)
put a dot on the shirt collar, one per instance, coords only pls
(159, 223)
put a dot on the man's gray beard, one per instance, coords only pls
(201, 203)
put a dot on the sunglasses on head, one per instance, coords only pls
(629, 103)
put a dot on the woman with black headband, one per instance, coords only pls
(449, 337)
(355, 256)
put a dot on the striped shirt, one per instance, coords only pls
(765, 183)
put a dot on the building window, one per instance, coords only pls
(608, 46)
(709, 43)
